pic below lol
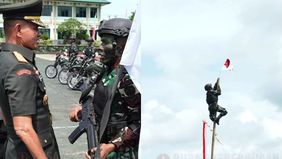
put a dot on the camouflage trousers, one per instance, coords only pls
(124, 153)
(214, 108)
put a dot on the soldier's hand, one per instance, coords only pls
(98, 57)
(73, 114)
(105, 149)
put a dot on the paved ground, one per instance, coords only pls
(61, 99)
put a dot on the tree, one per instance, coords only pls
(72, 27)
(131, 17)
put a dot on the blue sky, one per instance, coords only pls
(118, 8)
(184, 45)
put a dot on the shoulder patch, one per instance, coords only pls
(20, 57)
(23, 72)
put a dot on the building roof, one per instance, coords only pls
(92, 1)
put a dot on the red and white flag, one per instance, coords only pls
(227, 65)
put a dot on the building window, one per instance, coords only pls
(93, 12)
(80, 12)
(60, 35)
(64, 11)
(47, 10)
(45, 32)
(2, 33)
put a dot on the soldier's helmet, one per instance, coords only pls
(119, 27)
(208, 86)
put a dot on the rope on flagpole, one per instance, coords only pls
(210, 129)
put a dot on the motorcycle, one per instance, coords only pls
(78, 80)
(64, 72)
(61, 60)
(77, 74)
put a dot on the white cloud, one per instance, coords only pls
(179, 132)
(273, 127)
(247, 117)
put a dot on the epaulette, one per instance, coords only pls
(19, 57)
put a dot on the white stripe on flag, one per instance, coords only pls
(131, 58)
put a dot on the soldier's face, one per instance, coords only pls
(108, 47)
(29, 35)
(108, 44)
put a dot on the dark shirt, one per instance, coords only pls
(73, 49)
(212, 95)
(22, 93)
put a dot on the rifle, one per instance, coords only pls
(87, 123)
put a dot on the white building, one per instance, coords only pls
(56, 11)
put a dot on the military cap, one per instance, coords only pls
(30, 10)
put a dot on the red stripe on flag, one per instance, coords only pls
(227, 63)
(204, 140)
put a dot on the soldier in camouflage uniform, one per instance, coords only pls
(120, 139)
(72, 50)
(212, 99)
(89, 50)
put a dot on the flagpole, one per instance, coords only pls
(213, 139)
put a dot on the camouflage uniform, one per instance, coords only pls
(72, 49)
(212, 99)
(123, 127)
(89, 51)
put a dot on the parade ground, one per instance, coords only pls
(61, 100)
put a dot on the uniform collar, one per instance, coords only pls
(25, 52)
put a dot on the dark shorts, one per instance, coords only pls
(16, 148)
(3, 138)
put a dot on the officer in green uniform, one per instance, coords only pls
(120, 138)
(23, 96)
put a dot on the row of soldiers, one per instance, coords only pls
(24, 102)
(73, 48)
